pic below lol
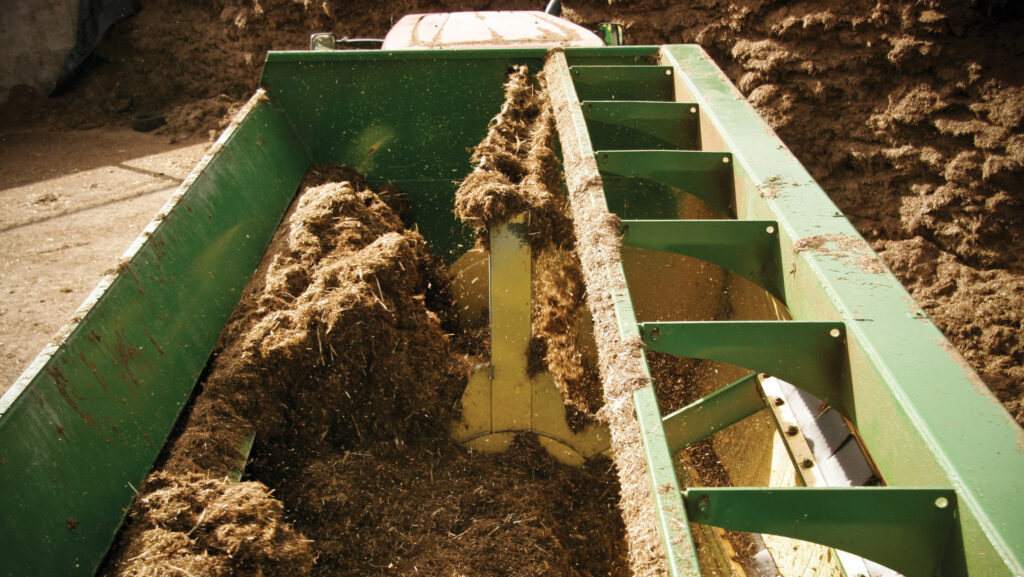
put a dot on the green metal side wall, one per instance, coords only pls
(926, 417)
(408, 118)
(88, 424)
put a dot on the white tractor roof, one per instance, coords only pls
(486, 30)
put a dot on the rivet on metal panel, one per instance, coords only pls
(792, 430)
(725, 159)
(655, 333)
(834, 333)
(807, 463)
(704, 504)
(779, 401)
(693, 110)
(668, 72)
(770, 230)
(942, 502)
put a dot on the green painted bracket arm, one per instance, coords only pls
(925, 416)
(632, 82)
(712, 413)
(749, 248)
(617, 124)
(671, 515)
(905, 529)
(244, 449)
(808, 354)
(706, 175)
(672, 520)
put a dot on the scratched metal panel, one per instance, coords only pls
(87, 420)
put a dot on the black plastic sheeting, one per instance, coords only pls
(95, 17)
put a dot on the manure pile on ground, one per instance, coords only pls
(338, 361)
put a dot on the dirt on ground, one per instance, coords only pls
(338, 362)
(70, 204)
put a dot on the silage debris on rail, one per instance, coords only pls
(598, 246)
(516, 172)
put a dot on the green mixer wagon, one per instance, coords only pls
(646, 134)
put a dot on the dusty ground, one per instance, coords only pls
(70, 204)
(908, 113)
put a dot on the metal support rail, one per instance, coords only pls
(591, 209)
(948, 452)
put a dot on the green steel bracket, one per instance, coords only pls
(712, 413)
(244, 449)
(809, 354)
(924, 415)
(611, 33)
(909, 530)
(672, 519)
(624, 82)
(706, 175)
(637, 198)
(672, 522)
(622, 125)
(749, 248)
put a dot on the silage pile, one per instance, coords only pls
(332, 340)
(337, 360)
